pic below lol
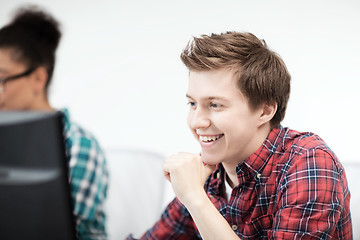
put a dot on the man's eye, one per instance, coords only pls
(214, 105)
(192, 104)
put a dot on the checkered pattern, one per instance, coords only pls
(88, 180)
(292, 187)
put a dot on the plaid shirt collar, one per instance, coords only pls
(254, 164)
(258, 160)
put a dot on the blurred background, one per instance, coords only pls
(119, 71)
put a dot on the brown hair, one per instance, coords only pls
(261, 74)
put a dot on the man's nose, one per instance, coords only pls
(199, 119)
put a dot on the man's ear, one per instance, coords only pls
(39, 78)
(267, 112)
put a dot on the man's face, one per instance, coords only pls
(220, 117)
(16, 94)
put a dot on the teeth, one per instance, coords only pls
(209, 138)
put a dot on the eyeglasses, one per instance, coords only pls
(14, 77)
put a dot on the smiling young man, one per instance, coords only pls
(254, 179)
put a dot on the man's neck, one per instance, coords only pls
(230, 167)
(231, 175)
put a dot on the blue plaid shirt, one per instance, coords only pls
(88, 180)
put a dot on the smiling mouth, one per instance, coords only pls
(207, 139)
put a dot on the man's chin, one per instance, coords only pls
(209, 160)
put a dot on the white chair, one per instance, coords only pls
(352, 174)
(136, 191)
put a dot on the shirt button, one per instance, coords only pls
(258, 176)
(234, 227)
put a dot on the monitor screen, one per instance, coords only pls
(34, 191)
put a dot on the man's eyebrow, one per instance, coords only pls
(217, 98)
(211, 97)
(188, 96)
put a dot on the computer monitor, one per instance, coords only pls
(34, 187)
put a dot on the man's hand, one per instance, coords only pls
(187, 174)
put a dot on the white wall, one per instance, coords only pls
(120, 74)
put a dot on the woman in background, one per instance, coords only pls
(27, 60)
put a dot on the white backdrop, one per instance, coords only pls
(119, 72)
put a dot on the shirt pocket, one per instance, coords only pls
(257, 228)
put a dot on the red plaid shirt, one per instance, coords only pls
(292, 187)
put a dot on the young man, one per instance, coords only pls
(262, 181)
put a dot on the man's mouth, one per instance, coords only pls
(207, 139)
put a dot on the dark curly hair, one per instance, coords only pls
(33, 37)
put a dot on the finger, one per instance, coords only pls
(166, 173)
(167, 176)
(166, 169)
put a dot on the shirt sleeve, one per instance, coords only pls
(175, 224)
(314, 199)
(88, 183)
